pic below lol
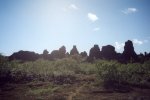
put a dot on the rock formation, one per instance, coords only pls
(129, 54)
(24, 56)
(83, 54)
(108, 52)
(95, 52)
(74, 51)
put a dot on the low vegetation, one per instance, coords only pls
(67, 68)
(71, 78)
(43, 70)
(115, 74)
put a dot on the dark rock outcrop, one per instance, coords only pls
(95, 52)
(24, 56)
(55, 54)
(108, 52)
(61, 53)
(74, 51)
(83, 54)
(46, 55)
(129, 54)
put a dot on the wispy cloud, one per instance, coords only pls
(70, 7)
(139, 42)
(119, 46)
(92, 17)
(96, 29)
(73, 6)
(129, 10)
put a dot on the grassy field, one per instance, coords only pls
(74, 79)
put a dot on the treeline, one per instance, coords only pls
(107, 52)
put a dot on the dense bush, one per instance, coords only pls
(43, 70)
(114, 74)
(108, 72)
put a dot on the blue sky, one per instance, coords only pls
(35, 25)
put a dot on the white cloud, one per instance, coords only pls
(119, 46)
(96, 29)
(129, 10)
(138, 42)
(92, 17)
(73, 6)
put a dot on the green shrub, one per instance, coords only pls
(43, 70)
(108, 72)
(115, 74)
(138, 74)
